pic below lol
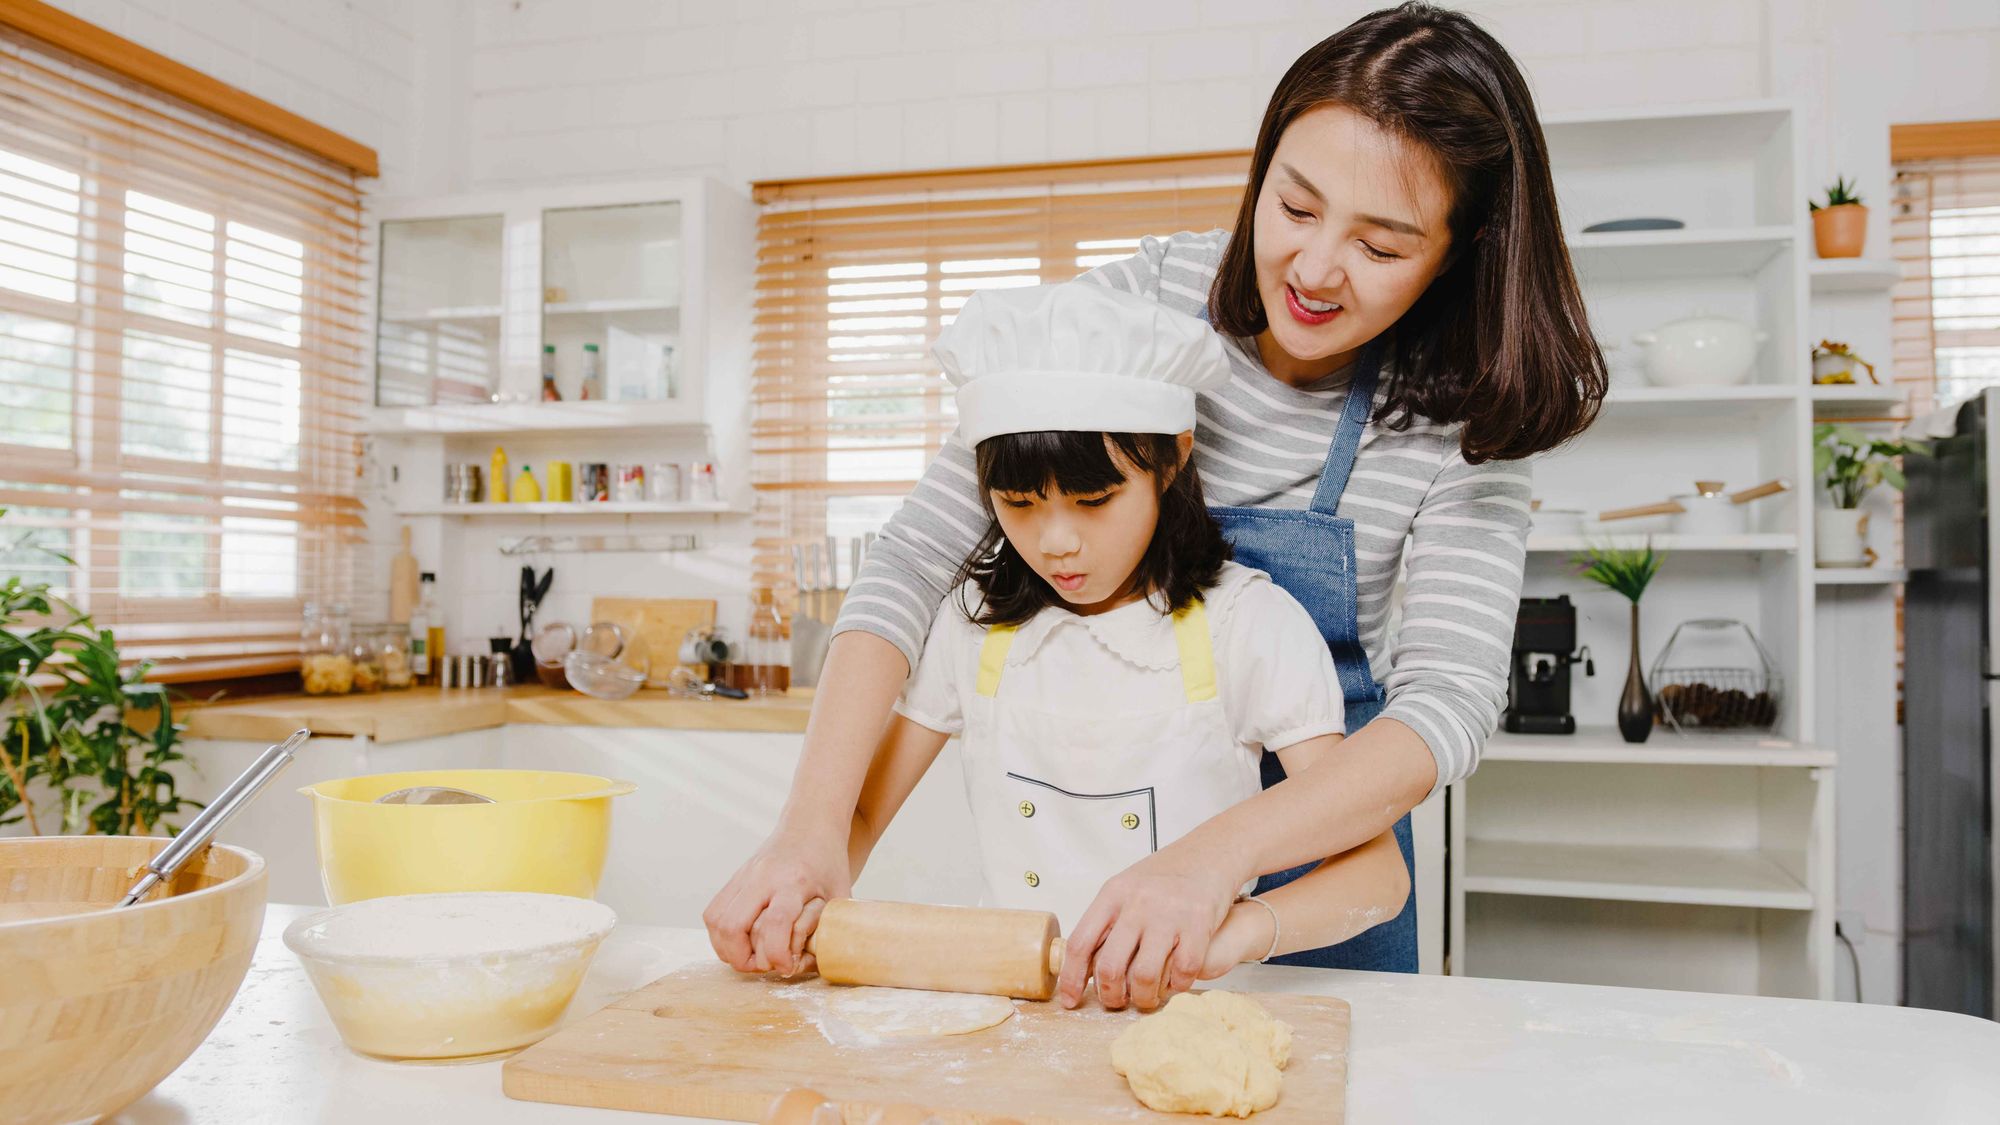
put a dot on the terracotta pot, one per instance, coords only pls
(1840, 232)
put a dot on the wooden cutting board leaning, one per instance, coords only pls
(660, 623)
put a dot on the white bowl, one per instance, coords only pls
(1700, 351)
(449, 976)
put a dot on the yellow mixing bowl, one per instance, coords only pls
(544, 832)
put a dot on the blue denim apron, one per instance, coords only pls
(1310, 553)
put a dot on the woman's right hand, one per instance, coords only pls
(760, 920)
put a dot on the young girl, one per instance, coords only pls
(1113, 678)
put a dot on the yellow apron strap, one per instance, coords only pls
(1197, 653)
(993, 657)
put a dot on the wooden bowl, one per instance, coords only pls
(97, 1006)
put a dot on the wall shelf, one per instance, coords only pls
(1633, 873)
(1603, 745)
(1857, 399)
(571, 508)
(1698, 402)
(1669, 254)
(442, 315)
(1772, 541)
(598, 308)
(1853, 275)
(530, 417)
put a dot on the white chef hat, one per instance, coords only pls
(1076, 356)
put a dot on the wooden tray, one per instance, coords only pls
(708, 1042)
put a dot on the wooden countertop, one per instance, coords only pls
(399, 716)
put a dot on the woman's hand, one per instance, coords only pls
(760, 920)
(1246, 934)
(1147, 934)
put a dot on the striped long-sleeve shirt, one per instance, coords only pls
(1456, 533)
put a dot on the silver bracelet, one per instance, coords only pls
(1276, 928)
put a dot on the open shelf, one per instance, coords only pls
(622, 305)
(529, 417)
(1859, 575)
(1769, 541)
(572, 508)
(1604, 745)
(1862, 399)
(1668, 254)
(1698, 402)
(1628, 873)
(441, 315)
(1853, 275)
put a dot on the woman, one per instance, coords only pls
(1404, 327)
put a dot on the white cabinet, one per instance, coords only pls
(645, 288)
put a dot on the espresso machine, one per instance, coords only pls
(1544, 649)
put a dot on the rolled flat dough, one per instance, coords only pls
(1210, 1052)
(910, 1011)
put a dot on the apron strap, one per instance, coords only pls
(1197, 652)
(1191, 638)
(1347, 435)
(993, 657)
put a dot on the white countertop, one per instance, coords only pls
(1425, 1049)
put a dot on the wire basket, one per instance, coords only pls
(1693, 691)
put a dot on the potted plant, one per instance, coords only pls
(78, 729)
(1850, 464)
(1840, 225)
(1627, 571)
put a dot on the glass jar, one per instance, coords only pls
(770, 653)
(366, 654)
(326, 664)
(392, 651)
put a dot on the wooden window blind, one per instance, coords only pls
(180, 361)
(856, 277)
(1946, 234)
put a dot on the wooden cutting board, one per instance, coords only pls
(662, 623)
(709, 1042)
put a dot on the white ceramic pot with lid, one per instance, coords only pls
(1700, 351)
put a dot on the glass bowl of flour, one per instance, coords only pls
(449, 976)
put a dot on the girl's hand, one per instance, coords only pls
(1147, 934)
(760, 920)
(1245, 935)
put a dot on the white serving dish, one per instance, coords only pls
(449, 976)
(1700, 351)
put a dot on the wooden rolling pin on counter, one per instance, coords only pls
(401, 716)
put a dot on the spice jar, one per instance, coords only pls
(392, 651)
(366, 655)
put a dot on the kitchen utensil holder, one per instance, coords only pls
(1707, 697)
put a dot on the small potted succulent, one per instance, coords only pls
(1850, 464)
(1840, 225)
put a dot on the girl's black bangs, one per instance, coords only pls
(1053, 461)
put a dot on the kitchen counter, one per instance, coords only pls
(1425, 1049)
(400, 716)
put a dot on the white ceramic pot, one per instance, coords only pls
(1840, 537)
(1700, 351)
(1710, 513)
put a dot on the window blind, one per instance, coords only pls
(180, 376)
(1946, 235)
(855, 278)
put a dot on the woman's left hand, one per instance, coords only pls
(1146, 935)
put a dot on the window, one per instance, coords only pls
(1946, 227)
(179, 362)
(857, 276)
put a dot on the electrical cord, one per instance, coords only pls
(1853, 957)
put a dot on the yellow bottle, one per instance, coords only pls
(496, 485)
(526, 490)
(561, 486)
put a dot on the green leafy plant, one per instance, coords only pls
(1623, 570)
(1842, 192)
(78, 727)
(1850, 463)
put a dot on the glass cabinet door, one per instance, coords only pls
(438, 339)
(611, 303)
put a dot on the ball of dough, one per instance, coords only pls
(1213, 1052)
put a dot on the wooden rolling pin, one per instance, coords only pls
(1016, 953)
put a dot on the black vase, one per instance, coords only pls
(1635, 706)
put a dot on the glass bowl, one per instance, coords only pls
(602, 677)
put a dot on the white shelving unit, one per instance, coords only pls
(1860, 575)
(1854, 275)
(1684, 862)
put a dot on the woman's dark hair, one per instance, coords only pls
(1499, 340)
(1184, 558)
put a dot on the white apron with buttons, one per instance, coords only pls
(1062, 803)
